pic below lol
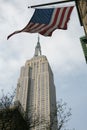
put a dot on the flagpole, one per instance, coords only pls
(79, 15)
(59, 2)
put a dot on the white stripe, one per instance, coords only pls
(27, 27)
(37, 28)
(40, 28)
(34, 26)
(65, 17)
(57, 22)
(53, 15)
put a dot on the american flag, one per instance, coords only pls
(45, 21)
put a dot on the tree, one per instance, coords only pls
(11, 114)
(63, 114)
(6, 100)
(60, 116)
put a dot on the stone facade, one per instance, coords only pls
(82, 5)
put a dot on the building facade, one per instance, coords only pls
(36, 89)
(82, 6)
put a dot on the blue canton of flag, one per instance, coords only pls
(42, 16)
(45, 21)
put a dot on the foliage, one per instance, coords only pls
(6, 100)
(59, 117)
(63, 114)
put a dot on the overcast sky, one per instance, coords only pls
(63, 50)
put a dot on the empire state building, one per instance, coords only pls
(35, 88)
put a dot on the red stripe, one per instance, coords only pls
(68, 16)
(27, 28)
(36, 26)
(50, 33)
(53, 24)
(38, 30)
(56, 16)
(62, 17)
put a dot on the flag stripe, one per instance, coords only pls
(38, 28)
(58, 20)
(43, 30)
(48, 27)
(62, 15)
(55, 25)
(66, 17)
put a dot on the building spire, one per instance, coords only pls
(38, 48)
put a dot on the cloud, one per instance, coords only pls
(63, 51)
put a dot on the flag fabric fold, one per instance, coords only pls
(45, 21)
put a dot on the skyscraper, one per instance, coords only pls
(36, 89)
